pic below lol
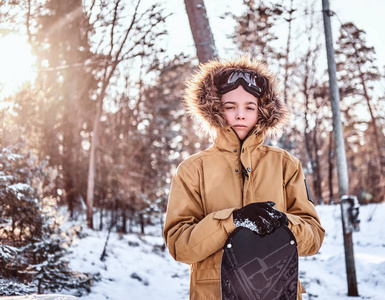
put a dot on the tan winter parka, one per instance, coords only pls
(208, 186)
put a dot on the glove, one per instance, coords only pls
(260, 217)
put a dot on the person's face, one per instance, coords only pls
(241, 111)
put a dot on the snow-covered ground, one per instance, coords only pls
(325, 273)
(137, 268)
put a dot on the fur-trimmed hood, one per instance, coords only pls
(203, 101)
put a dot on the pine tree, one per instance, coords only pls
(32, 243)
(49, 267)
(358, 75)
(253, 32)
(66, 84)
(20, 208)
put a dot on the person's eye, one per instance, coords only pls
(250, 108)
(229, 107)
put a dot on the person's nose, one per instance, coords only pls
(240, 114)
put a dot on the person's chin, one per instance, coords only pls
(241, 134)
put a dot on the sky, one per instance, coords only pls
(365, 14)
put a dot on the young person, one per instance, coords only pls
(236, 181)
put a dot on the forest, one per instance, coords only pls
(101, 128)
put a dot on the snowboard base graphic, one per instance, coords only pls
(259, 268)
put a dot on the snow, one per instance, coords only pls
(137, 268)
(19, 187)
(325, 275)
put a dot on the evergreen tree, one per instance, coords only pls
(358, 75)
(49, 267)
(20, 208)
(32, 247)
(253, 32)
(66, 85)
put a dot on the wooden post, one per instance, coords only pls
(342, 169)
(346, 203)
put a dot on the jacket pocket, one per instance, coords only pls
(205, 284)
(223, 214)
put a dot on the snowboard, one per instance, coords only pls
(257, 267)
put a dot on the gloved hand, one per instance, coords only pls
(260, 217)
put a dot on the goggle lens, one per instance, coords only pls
(235, 78)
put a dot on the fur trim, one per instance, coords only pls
(203, 101)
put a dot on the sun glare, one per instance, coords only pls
(16, 64)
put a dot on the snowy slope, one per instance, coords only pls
(137, 268)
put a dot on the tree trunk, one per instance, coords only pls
(92, 162)
(141, 221)
(71, 127)
(101, 218)
(330, 159)
(311, 144)
(373, 122)
(124, 219)
(316, 168)
(201, 31)
(287, 61)
(68, 159)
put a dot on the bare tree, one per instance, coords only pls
(313, 94)
(123, 45)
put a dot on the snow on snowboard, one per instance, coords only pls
(260, 268)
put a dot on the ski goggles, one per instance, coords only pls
(231, 80)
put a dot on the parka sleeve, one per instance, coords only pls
(190, 235)
(303, 218)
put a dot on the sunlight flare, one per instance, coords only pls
(17, 64)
